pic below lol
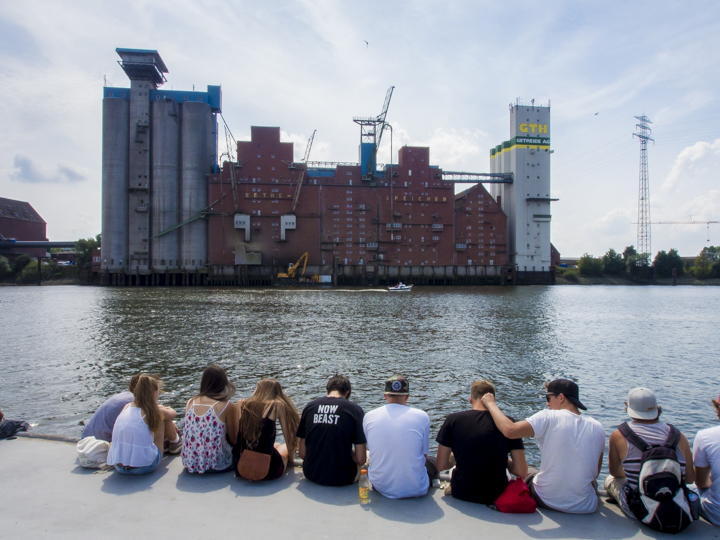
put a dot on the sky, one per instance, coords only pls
(456, 67)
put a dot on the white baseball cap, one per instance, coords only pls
(641, 404)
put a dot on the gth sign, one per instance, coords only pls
(533, 128)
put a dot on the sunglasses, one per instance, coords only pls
(547, 396)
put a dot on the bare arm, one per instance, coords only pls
(517, 464)
(512, 430)
(231, 422)
(702, 477)
(360, 454)
(442, 460)
(301, 448)
(599, 464)
(167, 412)
(617, 454)
(684, 446)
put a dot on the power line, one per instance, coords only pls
(644, 240)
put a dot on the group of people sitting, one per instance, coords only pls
(482, 445)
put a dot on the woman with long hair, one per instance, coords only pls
(210, 424)
(141, 429)
(257, 417)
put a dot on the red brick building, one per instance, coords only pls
(19, 220)
(408, 219)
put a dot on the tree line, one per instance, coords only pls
(638, 266)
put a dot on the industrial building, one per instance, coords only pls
(173, 216)
(20, 221)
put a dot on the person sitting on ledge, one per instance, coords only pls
(398, 439)
(257, 431)
(140, 430)
(331, 437)
(571, 449)
(102, 421)
(625, 459)
(706, 454)
(211, 424)
(480, 450)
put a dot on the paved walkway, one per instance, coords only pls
(44, 494)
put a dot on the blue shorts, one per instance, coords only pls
(122, 469)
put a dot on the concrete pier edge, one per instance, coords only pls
(45, 494)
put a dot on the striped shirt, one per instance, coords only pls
(652, 434)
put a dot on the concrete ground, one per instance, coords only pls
(45, 494)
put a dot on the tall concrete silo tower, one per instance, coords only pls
(527, 200)
(159, 146)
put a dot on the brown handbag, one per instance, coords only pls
(253, 465)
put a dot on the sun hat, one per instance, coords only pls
(397, 385)
(641, 404)
(569, 389)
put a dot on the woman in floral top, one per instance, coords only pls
(211, 424)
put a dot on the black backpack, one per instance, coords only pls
(660, 501)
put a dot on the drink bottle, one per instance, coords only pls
(364, 489)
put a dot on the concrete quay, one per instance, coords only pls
(45, 494)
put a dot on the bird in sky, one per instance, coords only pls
(597, 113)
(366, 44)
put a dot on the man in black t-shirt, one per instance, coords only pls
(331, 437)
(480, 450)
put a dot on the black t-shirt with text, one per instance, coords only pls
(330, 426)
(481, 453)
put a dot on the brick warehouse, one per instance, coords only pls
(173, 215)
(410, 224)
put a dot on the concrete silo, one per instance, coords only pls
(165, 189)
(116, 110)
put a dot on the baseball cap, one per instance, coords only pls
(397, 385)
(569, 389)
(641, 404)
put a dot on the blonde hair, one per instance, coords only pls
(145, 399)
(268, 393)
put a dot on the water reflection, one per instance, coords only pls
(67, 348)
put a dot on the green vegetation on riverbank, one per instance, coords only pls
(632, 267)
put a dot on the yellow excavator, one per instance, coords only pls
(293, 274)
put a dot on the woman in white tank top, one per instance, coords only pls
(140, 431)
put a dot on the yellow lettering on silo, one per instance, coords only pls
(542, 128)
(523, 128)
(533, 127)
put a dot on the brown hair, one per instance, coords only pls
(268, 393)
(717, 406)
(136, 377)
(145, 399)
(215, 384)
(480, 388)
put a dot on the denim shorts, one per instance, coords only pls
(122, 469)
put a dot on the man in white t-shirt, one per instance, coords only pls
(398, 440)
(706, 454)
(571, 449)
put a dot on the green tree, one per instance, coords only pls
(628, 252)
(83, 250)
(661, 264)
(21, 262)
(707, 263)
(590, 266)
(613, 263)
(5, 268)
(638, 265)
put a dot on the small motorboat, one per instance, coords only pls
(400, 287)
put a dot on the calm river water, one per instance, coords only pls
(65, 349)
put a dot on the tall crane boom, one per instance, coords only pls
(370, 139)
(381, 117)
(296, 198)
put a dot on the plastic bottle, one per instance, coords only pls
(364, 489)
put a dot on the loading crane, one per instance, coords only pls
(691, 222)
(303, 171)
(371, 131)
(293, 268)
(205, 212)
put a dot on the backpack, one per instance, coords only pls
(659, 501)
(92, 453)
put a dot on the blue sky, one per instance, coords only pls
(456, 66)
